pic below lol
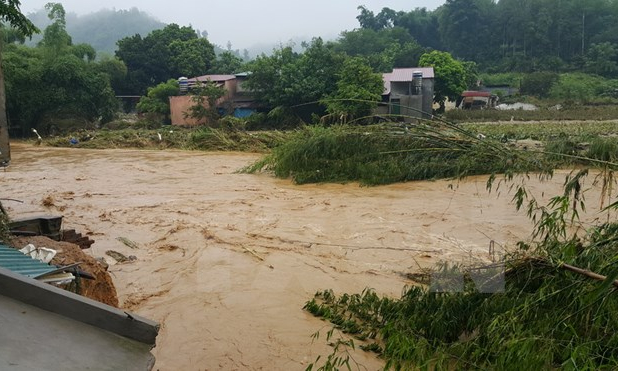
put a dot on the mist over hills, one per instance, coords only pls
(102, 30)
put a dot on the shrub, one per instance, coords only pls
(578, 87)
(538, 84)
(511, 79)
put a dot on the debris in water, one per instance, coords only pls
(120, 258)
(128, 242)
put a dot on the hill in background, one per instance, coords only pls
(101, 29)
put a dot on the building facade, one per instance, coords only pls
(408, 94)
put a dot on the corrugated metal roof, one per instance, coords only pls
(404, 75)
(18, 262)
(213, 78)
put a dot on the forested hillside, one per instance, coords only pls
(513, 35)
(102, 29)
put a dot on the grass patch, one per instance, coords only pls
(577, 130)
(573, 113)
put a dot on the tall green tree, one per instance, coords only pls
(10, 13)
(227, 63)
(383, 49)
(164, 54)
(157, 101)
(368, 20)
(422, 25)
(288, 79)
(450, 76)
(56, 80)
(267, 79)
(601, 59)
(462, 28)
(359, 91)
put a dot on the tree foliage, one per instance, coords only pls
(11, 15)
(359, 90)
(384, 48)
(287, 78)
(157, 100)
(450, 76)
(55, 80)
(601, 59)
(538, 84)
(164, 54)
(227, 63)
(510, 35)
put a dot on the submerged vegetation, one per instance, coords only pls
(557, 307)
(203, 139)
(391, 153)
(547, 317)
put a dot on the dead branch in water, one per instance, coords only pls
(128, 242)
(253, 253)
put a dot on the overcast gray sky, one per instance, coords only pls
(248, 22)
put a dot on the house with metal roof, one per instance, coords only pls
(237, 101)
(408, 93)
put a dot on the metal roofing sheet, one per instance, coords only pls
(405, 74)
(213, 78)
(18, 262)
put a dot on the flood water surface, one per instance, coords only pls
(226, 261)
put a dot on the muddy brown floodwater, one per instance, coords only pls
(226, 261)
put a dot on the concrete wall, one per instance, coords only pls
(428, 90)
(230, 87)
(179, 105)
(413, 104)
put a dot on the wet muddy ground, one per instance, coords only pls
(226, 261)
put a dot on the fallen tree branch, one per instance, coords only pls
(253, 253)
(587, 273)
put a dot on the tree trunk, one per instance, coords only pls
(5, 149)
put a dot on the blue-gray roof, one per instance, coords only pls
(18, 262)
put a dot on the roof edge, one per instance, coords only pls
(76, 307)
